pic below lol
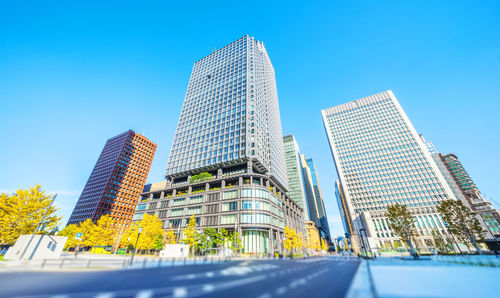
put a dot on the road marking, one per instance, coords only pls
(180, 292)
(60, 296)
(266, 295)
(105, 295)
(281, 291)
(208, 288)
(209, 274)
(144, 294)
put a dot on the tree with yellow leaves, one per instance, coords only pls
(291, 240)
(170, 237)
(106, 229)
(324, 245)
(21, 212)
(90, 233)
(151, 235)
(70, 232)
(190, 237)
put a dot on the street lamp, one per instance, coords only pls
(139, 231)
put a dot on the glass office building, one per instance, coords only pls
(229, 128)
(381, 160)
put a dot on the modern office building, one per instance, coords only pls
(381, 160)
(296, 187)
(319, 205)
(467, 189)
(117, 180)
(230, 129)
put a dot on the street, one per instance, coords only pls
(313, 277)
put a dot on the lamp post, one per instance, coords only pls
(139, 231)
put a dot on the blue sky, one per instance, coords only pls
(74, 74)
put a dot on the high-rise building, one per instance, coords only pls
(296, 185)
(117, 180)
(227, 164)
(381, 160)
(314, 197)
(467, 189)
(230, 114)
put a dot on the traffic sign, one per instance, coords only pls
(78, 236)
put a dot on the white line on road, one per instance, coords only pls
(180, 292)
(144, 294)
(281, 290)
(105, 295)
(208, 288)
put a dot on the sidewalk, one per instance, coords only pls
(407, 278)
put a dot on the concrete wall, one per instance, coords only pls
(41, 247)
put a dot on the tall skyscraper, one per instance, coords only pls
(316, 205)
(227, 164)
(118, 178)
(296, 185)
(230, 114)
(381, 160)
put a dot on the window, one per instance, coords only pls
(230, 195)
(163, 204)
(212, 208)
(173, 223)
(211, 221)
(138, 216)
(178, 202)
(233, 206)
(152, 206)
(196, 199)
(162, 214)
(255, 218)
(141, 207)
(213, 197)
(228, 219)
(177, 212)
(194, 210)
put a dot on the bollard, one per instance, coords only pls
(62, 263)
(185, 261)
(43, 263)
(159, 262)
(144, 264)
(124, 263)
(88, 263)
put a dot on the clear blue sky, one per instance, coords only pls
(73, 75)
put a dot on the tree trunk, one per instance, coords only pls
(473, 240)
(412, 250)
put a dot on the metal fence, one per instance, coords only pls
(476, 260)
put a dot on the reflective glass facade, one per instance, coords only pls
(230, 113)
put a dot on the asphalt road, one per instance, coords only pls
(313, 277)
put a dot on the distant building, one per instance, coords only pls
(296, 186)
(229, 130)
(464, 186)
(381, 160)
(118, 178)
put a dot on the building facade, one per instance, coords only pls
(117, 180)
(229, 128)
(381, 160)
(471, 194)
(296, 188)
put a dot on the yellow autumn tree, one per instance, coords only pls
(324, 245)
(170, 237)
(290, 241)
(106, 229)
(151, 236)
(190, 232)
(70, 232)
(90, 233)
(300, 241)
(21, 212)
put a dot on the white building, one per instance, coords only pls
(230, 113)
(381, 160)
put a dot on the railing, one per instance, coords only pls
(68, 263)
(485, 261)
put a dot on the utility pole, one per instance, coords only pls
(37, 227)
